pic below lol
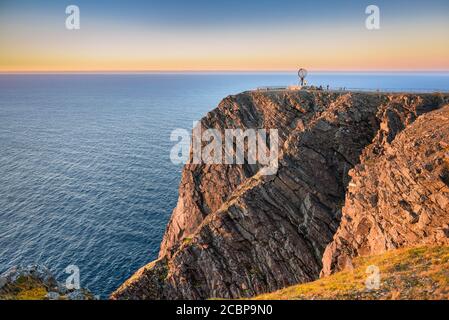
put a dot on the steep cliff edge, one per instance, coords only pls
(236, 233)
(204, 188)
(398, 195)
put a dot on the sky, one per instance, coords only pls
(200, 35)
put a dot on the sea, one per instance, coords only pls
(85, 173)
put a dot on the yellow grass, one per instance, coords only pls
(414, 273)
(24, 288)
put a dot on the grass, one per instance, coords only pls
(413, 273)
(29, 288)
(187, 240)
(25, 288)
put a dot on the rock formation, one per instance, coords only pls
(399, 193)
(36, 282)
(237, 233)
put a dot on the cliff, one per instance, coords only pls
(237, 233)
(398, 195)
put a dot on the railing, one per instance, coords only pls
(392, 90)
(343, 89)
(271, 88)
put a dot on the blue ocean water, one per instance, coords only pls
(85, 174)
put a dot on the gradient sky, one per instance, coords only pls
(226, 35)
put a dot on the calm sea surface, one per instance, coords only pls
(85, 174)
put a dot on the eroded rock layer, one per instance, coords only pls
(399, 193)
(237, 233)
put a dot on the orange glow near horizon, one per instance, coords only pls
(94, 48)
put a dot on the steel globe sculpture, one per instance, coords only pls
(302, 74)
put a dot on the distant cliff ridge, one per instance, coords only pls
(236, 233)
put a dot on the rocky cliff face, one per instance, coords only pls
(236, 233)
(399, 193)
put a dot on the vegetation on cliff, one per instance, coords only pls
(36, 282)
(408, 273)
